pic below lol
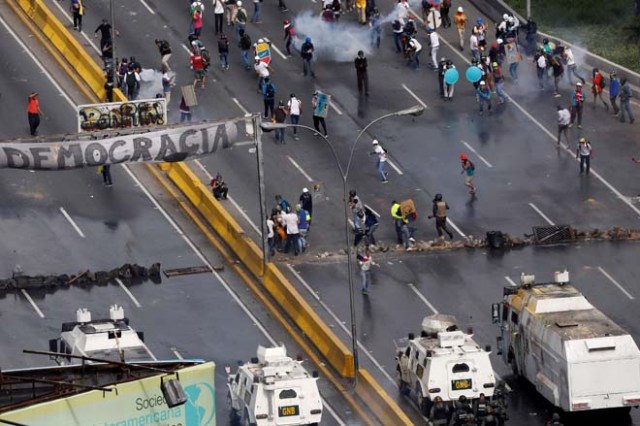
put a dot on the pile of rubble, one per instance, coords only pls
(507, 241)
(127, 272)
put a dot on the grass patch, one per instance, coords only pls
(605, 27)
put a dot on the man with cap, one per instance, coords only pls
(381, 161)
(577, 101)
(434, 42)
(583, 152)
(460, 20)
(306, 201)
(361, 73)
(33, 113)
(262, 70)
(306, 51)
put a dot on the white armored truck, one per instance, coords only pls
(574, 355)
(273, 389)
(109, 339)
(443, 362)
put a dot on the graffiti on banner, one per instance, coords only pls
(122, 115)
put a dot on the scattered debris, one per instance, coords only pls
(190, 270)
(128, 272)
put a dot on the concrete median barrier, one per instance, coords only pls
(90, 73)
(377, 400)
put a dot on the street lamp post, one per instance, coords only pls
(344, 174)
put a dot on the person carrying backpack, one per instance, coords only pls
(245, 47)
(468, 169)
(132, 80)
(268, 94)
(223, 51)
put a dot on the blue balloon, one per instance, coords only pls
(473, 74)
(451, 76)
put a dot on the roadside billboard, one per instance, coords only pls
(135, 403)
(122, 115)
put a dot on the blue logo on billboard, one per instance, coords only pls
(200, 409)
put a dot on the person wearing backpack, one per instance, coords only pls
(132, 80)
(240, 20)
(598, 84)
(268, 94)
(165, 52)
(245, 47)
(468, 169)
(625, 97)
(223, 51)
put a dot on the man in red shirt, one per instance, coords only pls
(33, 113)
(198, 65)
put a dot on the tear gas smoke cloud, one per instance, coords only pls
(150, 83)
(339, 42)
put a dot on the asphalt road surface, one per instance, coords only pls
(524, 179)
(66, 222)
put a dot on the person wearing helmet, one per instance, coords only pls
(440, 208)
(481, 32)
(483, 96)
(306, 52)
(583, 152)
(294, 106)
(463, 414)
(460, 20)
(240, 19)
(381, 161)
(439, 413)
(361, 73)
(306, 201)
(577, 102)
(289, 34)
(468, 169)
(262, 70)
(555, 420)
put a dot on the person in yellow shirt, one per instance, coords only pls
(77, 8)
(461, 22)
(361, 6)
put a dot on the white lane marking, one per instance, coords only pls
(28, 297)
(279, 52)
(616, 283)
(372, 210)
(340, 324)
(236, 205)
(70, 220)
(404, 86)
(331, 105)
(544, 216)
(424, 299)
(394, 167)
(625, 200)
(147, 6)
(453, 225)
(176, 353)
(510, 281)
(243, 109)
(126, 290)
(472, 149)
(82, 33)
(26, 50)
(300, 169)
(186, 49)
(201, 256)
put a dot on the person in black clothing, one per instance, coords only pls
(165, 52)
(109, 85)
(105, 33)
(219, 187)
(442, 68)
(444, 13)
(306, 201)
(280, 116)
(361, 73)
(106, 175)
(306, 51)
(440, 208)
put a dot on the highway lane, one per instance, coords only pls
(526, 169)
(465, 283)
(131, 222)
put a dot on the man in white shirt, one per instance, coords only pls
(572, 68)
(564, 117)
(584, 153)
(218, 13)
(293, 233)
(413, 50)
(473, 46)
(434, 42)
(262, 69)
(381, 161)
(295, 108)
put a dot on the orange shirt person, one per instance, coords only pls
(33, 113)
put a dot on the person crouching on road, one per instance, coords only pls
(219, 187)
